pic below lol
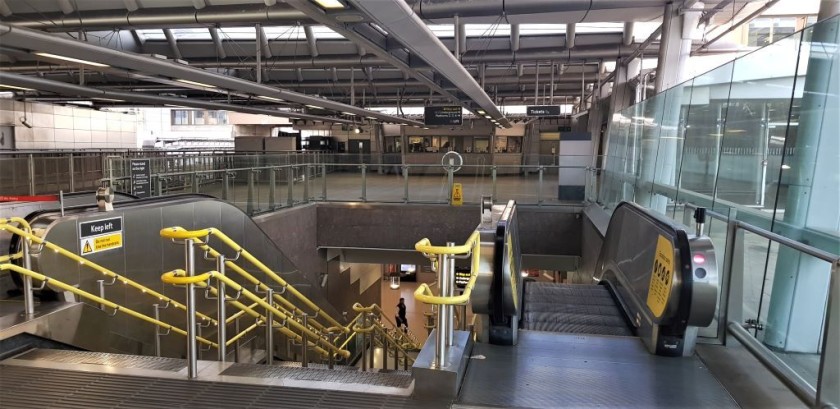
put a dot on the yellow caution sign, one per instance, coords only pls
(457, 194)
(662, 277)
(101, 243)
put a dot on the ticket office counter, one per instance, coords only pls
(477, 152)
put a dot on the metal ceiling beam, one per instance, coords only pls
(580, 53)
(63, 88)
(365, 37)
(217, 41)
(492, 8)
(40, 41)
(173, 43)
(311, 41)
(161, 17)
(401, 23)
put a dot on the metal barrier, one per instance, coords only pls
(826, 392)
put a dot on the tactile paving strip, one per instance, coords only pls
(396, 379)
(102, 358)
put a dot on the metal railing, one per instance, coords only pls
(825, 394)
(443, 261)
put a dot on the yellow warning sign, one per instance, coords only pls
(104, 242)
(662, 277)
(457, 195)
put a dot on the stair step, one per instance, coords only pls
(395, 379)
(104, 358)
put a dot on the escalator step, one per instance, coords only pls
(584, 319)
(572, 308)
(580, 328)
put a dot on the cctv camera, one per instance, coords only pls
(25, 122)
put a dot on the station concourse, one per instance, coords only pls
(221, 203)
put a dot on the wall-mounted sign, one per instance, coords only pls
(100, 235)
(443, 115)
(141, 178)
(542, 110)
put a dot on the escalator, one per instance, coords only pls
(652, 280)
(141, 255)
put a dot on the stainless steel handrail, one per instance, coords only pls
(812, 396)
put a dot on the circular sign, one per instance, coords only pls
(452, 161)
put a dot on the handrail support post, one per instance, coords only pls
(269, 327)
(192, 351)
(221, 300)
(28, 296)
(305, 344)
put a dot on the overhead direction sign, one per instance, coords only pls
(542, 110)
(443, 115)
(100, 235)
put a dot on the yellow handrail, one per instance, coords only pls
(99, 300)
(286, 304)
(27, 234)
(425, 295)
(10, 257)
(178, 277)
(378, 327)
(242, 333)
(376, 309)
(240, 313)
(180, 233)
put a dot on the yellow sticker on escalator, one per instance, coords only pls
(662, 277)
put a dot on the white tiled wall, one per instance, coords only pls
(62, 127)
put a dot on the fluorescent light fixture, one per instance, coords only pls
(785, 167)
(61, 57)
(109, 100)
(488, 116)
(425, 127)
(480, 111)
(314, 106)
(349, 113)
(330, 4)
(197, 84)
(370, 117)
(269, 98)
(14, 87)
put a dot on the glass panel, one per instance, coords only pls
(703, 134)
(670, 147)
(762, 86)
(647, 120)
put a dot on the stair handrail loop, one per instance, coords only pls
(178, 277)
(181, 233)
(99, 300)
(27, 234)
(472, 247)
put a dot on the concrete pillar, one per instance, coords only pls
(800, 285)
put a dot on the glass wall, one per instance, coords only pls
(756, 140)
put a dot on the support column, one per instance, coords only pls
(800, 282)
(675, 44)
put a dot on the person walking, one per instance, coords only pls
(401, 319)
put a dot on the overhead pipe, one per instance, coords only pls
(64, 88)
(311, 41)
(217, 41)
(401, 23)
(260, 32)
(514, 37)
(36, 40)
(571, 29)
(173, 43)
(627, 36)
